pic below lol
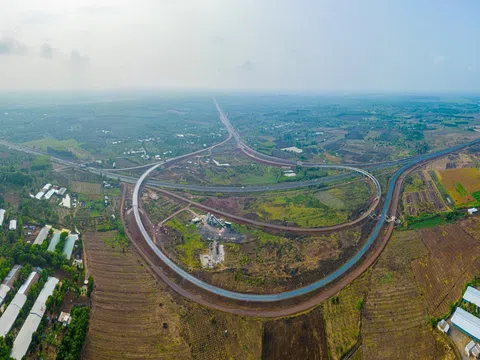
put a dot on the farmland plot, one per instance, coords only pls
(302, 337)
(343, 317)
(424, 198)
(393, 316)
(451, 262)
(132, 316)
(461, 184)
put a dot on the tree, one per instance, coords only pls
(90, 286)
(4, 349)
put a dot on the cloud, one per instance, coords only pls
(438, 60)
(40, 18)
(10, 46)
(97, 9)
(247, 66)
(47, 51)
(78, 59)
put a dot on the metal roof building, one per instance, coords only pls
(39, 195)
(12, 275)
(55, 240)
(472, 295)
(24, 337)
(2, 216)
(42, 235)
(69, 244)
(49, 194)
(13, 309)
(467, 323)
(13, 225)
(47, 187)
(5, 287)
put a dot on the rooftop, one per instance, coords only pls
(472, 295)
(466, 322)
(24, 337)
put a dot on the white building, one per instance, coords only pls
(47, 187)
(2, 216)
(472, 349)
(293, 149)
(467, 323)
(13, 225)
(7, 283)
(443, 326)
(39, 195)
(42, 235)
(472, 295)
(65, 318)
(49, 194)
(24, 337)
(10, 315)
(472, 211)
(66, 202)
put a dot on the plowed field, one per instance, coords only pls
(451, 262)
(132, 317)
(393, 322)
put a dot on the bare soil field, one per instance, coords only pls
(394, 313)
(215, 335)
(302, 337)
(86, 188)
(132, 316)
(135, 317)
(452, 261)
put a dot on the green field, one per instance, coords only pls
(68, 146)
(302, 209)
(192, 243)
(428, 223)
(461, 189)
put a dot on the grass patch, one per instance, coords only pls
(263, 237)
(461, 189)
(476, 195)
(387, 278)
(40, 163)
(192, 245)
(120, 241)
(44, 144)
(86, 188)
(428, 223)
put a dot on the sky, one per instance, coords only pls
(303, 45)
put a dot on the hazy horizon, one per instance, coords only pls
(309, 47)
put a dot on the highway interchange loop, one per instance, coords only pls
(341, 271)
(303, 290)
